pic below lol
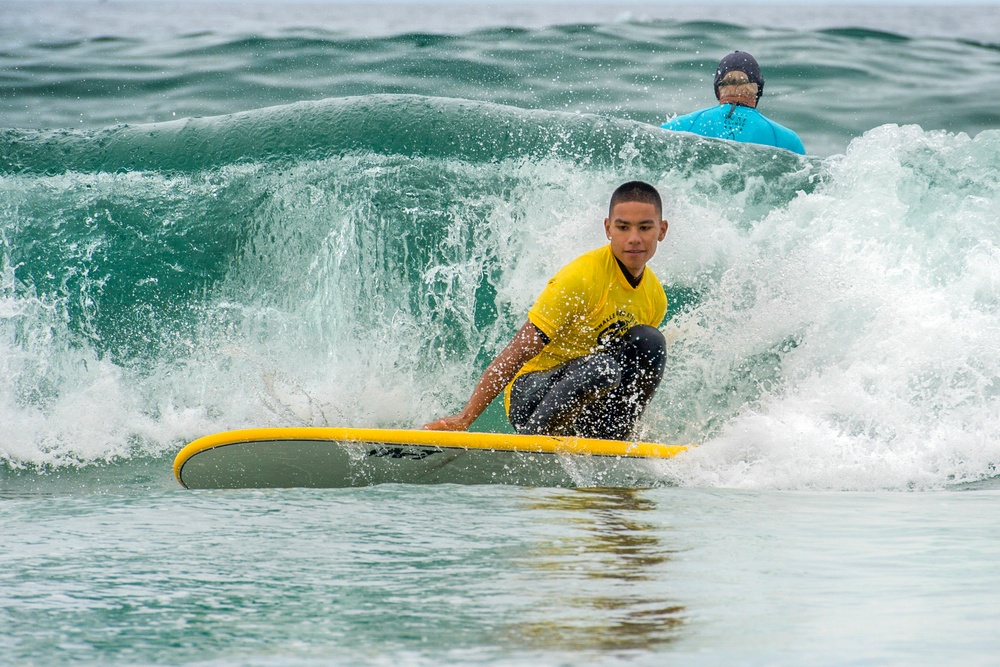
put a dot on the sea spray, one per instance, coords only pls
(359, 261)
(851, 342)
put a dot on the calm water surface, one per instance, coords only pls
(497, 575)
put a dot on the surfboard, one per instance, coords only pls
(324, 457)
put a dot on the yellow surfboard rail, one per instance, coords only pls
(451, 439)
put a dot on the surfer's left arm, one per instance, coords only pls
(526, 343)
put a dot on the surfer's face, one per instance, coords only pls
(736, 85)
(634, 228)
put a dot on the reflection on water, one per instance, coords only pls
(603, 583)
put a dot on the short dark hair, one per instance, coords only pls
(636, 191)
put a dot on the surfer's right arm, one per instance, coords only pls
(526, 343)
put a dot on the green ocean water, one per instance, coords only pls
(223, 215)
(832, 72)
(498, 576)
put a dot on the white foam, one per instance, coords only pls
(894, 377)
(847, 340)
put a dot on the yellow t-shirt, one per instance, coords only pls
(588, 303)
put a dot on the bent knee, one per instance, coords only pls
(646, 338)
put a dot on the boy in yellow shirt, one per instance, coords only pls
(589, 357)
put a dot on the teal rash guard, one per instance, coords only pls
(737, 123)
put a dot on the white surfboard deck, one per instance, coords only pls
(349, 457)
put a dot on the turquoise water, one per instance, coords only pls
(215, 216)
(415, 575)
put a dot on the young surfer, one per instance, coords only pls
(589, 357)
(738, 87)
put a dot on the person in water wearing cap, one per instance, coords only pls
(738, 87)
(589, 357)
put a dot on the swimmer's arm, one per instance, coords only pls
(526, 343)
